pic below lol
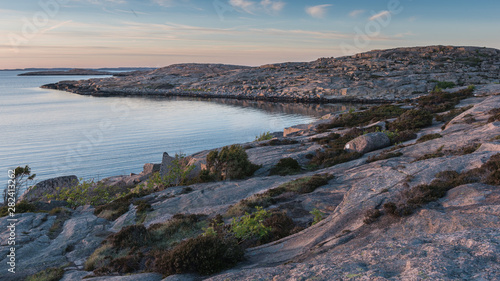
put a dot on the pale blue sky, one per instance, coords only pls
(112, 33)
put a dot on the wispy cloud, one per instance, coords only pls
(247, 6)
(405, 34)
(273, 6)
(356, 13)
(56, 26)
(380, 15)
(318, 11)
(253, 7)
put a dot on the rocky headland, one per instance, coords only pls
(378, 75)
(401, 191)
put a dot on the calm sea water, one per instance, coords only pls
(58, 133)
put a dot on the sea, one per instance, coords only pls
(58, 133)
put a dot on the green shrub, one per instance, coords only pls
(116, 208)
(203, 254)
(412, 119)
(251, 225)
(86, 192)
(177, 174)
(286, 166)
(445, 85)
(49, 274)
(264, 136)
(21, 207)
(318, 216)
(230, 163)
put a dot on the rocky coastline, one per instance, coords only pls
(404, 191)
(375, 76)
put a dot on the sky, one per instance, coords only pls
(156, 33)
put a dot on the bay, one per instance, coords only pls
(58, 133)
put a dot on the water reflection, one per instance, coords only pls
(304, 109)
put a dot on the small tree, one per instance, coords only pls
(21, 178)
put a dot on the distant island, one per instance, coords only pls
(75, 71)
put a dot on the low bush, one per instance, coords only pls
(495, 115)
(20, 207)
(383, 156)
(412, 119)
(266, 199)
(467, 149)
(403, 136)
(286, 166)
(276, 142)
(130, 249)
(445, 84)
(204, 255)
(264, 136)
(417, 196)
(371, 216)
(49, 274)
(280, 226)
(439, 101)
(429, 137)
(447, 117)
(129, 236)
(230, 163)
(116, 208)
(352, 119)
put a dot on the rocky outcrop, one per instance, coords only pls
(379, 75)
(47, 187)
(369, 142)
(455, 237)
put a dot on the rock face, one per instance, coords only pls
(49, 186)
(369, 142)
(166, 163)
(394, 74)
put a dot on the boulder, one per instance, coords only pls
(368, 142)
(49, 186)
(150, 168)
